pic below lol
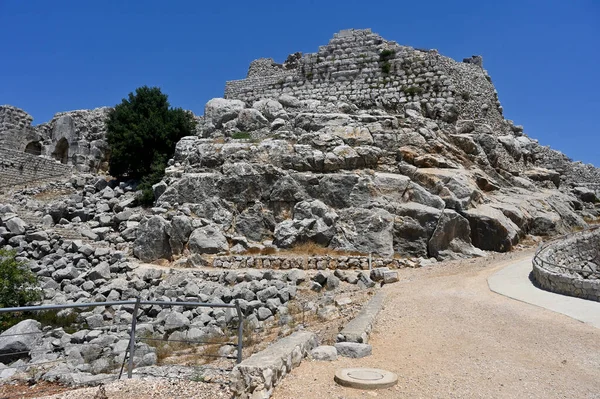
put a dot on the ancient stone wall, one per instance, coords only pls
(18, 168)
(571, 266)
(308, 262)
(75, 138)
(360, 67)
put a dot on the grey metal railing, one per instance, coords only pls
(132, 327)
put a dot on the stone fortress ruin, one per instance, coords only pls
(377, 154)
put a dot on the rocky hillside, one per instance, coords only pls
(432, 171)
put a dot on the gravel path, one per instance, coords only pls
(149, 388)
(448, 336)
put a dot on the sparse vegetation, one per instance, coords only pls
(241, 136)
(413, 90)
(386, 67)
(18, 284)
(387, 55)
(465, 95)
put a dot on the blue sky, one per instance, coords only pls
(543, 55)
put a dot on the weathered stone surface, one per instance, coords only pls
(491, 230)
(256, 375)
(152, 240)
(220, 110)
(19, 338)
(353, 349)
(208, 240)
(324, 352)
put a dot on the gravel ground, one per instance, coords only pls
(447, 335)
(150, 388)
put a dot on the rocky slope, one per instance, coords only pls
(378, 178)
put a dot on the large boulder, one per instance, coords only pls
(208, 240)
(251, 119)
(491, 230)
(413, 226)
(452, 235)
(16, 226)
(365, 230)
(313, 221)
(179, 231)
(17, 341)
(255, 223)
(271, 109)
(220, 110)
(152, 240)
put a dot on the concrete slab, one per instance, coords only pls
(513, 281)
(365, 378)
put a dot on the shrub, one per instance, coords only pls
(142, 132)
(386, 67)
(465, 95)
(413, 90)
(241, 135)
(387, 55)
(18, 284)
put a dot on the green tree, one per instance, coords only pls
(142, 132)
(18, 284)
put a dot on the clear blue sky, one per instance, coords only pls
(543, 55)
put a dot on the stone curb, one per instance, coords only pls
(359, 328)
(256, 376)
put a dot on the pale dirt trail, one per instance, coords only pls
(448, 336)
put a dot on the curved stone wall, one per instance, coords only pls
(570, 265)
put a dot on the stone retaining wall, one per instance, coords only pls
(19, 168)
(308, 262)
(570, 266)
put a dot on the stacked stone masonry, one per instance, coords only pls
(308, 262)
(360, 67)
(17, 168)
(571, 266)
(75, 138)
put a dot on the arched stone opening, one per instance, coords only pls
(61, 151)
(34, 148)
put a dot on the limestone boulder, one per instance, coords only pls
(179, 231)
(251, 119)
(364, 230)
(16, 226)
(19, 340)
(543, 174)
(208, 240)
(270, 109)
(491, 230)
(220, 110)
(452, 235)
(152, 240)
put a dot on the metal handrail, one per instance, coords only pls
(136, 305)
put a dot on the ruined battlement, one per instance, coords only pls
(362, 68)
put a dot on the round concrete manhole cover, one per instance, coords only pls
(363, 378)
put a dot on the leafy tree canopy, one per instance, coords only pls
(18, 284)
(142, 132)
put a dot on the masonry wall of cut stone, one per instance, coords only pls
(571, 266)
(360, 67)
(18, 168)
(308, 262)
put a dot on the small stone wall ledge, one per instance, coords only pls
(255, 377)
(359, 328)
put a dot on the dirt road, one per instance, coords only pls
(448, 336)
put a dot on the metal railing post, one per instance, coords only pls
(240, 345)
(132, 338)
